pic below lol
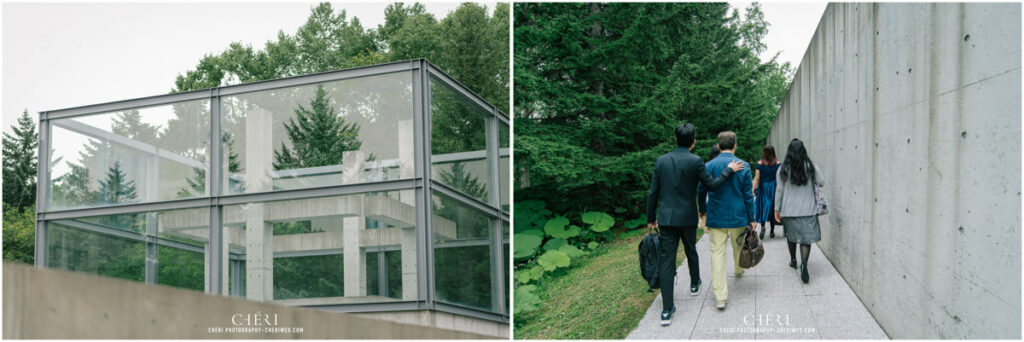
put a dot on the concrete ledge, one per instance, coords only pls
(52, 304)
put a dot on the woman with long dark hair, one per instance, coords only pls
(795, 205)
(764, 189)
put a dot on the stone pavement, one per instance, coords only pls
(767, 302)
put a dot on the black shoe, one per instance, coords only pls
(792, 263)
(773, 233)
(666, 316)
(762, 233)
(695, 288)
(803, 273)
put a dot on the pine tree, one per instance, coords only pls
(19, 165)
(117, 188)
(318, 136)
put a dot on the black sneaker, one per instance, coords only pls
(695, 288)
(666, 316)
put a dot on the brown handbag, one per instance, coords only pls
(753, 250)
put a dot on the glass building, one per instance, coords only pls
(373, 189)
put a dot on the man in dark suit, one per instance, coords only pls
(674, 184)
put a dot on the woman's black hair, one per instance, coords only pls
(797, 168)
(715, 151)
(768, 155)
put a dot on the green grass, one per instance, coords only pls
(601, 297)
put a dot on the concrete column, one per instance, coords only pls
(406, 159)
(355, 258)
(409, 264)
(259, 256)
(151, 176)
(407, 162)
(259, 235)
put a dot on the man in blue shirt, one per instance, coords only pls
(729, 210)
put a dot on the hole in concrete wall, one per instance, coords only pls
(967, 37)
(908, 140)
(909, 70)
(908, 210)
(963, 134)
(961, 229)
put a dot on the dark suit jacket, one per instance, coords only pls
(674, 183)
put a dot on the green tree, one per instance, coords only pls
(117, 188)
(19, 231)
(318, 135)
(19, 152)
(599, 88)
(468, 44)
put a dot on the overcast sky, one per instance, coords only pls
(791, 26)
(64, 55)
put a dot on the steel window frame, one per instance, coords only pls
(421, 72)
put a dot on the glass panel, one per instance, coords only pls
(180, 268)
(342, 132)
(309, 277)
(74, 249)
(139, 155)
(373, 274)
(458, 141)
(389, 282)
(319, 250)
(462, 254)
(503, 167)
(90, 244)
(507, 263)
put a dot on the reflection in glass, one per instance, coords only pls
(503, 165)
(327, 250)
(180, 268)
(116, 246)
(462, 255)
(342, 132)
(83, 251)
(458, 141)
(132, 156)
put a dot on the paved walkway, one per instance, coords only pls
(767, 302)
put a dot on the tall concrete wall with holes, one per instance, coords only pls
(913, 113)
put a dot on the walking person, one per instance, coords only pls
(674, 185)
(715, 151)
(764, 189)
(795, 205)
(730, 212)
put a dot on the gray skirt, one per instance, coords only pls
(802, 229)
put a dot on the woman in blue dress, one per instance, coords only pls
(764, 189)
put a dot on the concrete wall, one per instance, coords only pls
(52, 304)
(913, 113)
